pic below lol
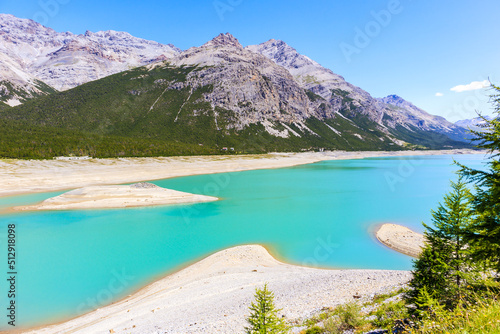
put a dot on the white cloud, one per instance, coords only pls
(474, 85)
(439, 94)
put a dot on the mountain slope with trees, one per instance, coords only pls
(209, 99)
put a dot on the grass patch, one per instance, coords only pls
(482, 315)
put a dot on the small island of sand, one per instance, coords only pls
(119, 196)
(401, 239)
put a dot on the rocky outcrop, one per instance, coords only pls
(250, 85)
(389, 112)
(307, 72)
(224, 40)
(316, 78)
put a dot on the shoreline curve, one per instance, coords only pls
(213, 295)
(38, 176)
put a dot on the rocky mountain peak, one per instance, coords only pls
(12, 25)
(393, 99)
(333, 88)
(224, 40)
(398, 101)
(30, 51)
(306, 71)
(282, 53)
(110, 35)
(276, 42)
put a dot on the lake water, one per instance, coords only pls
(317, 215)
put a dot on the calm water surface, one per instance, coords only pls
(318, 215)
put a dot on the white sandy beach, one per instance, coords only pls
(213, 295)
(401, 239)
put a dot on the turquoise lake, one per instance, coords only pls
(319, 214)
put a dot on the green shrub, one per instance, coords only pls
(350, 316)
(314, 330)
(387, 314)
(481, 316)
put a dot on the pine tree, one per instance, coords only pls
(445, 267)
(485, 231)
(264, 317)
(429, 274)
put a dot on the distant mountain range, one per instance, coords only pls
(475, 124)
(115, 88)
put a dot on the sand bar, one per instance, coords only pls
(105, 197)
(213, 295)
(29, 176)
(401, 239)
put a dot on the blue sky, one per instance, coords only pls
(412, 48)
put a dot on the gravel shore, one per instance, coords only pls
(213, 295)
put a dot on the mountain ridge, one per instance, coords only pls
(218, 93)
(476, 124)
(65, 60)
(333, 87)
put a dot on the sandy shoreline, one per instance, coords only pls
(213, 295)
(400, 239)
(31, 176)
(108, 197)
